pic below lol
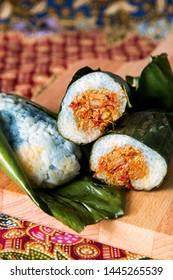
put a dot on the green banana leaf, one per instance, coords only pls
(154, 129)
(10, 165)
(153, 89)
(83, 202)
(77, 204)
(169, 116)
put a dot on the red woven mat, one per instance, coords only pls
(29, 64)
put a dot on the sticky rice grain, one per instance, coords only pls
(47, 158)
(156, 164)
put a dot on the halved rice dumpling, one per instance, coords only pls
(91, 103)
(45, 156)
(136, 154)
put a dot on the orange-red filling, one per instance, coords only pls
(95, 108)
(122, 165)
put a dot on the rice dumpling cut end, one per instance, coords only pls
(89, 106)
(121, 160)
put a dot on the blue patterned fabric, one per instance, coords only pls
(153, 18)
(7, 221)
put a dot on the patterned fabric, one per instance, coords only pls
(27, 65)
(153, 16)
(22, 240)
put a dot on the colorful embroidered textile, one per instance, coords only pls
(22, 240)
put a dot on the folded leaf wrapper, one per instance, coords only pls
(78, 203)
(153, 89)
(150, 128)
